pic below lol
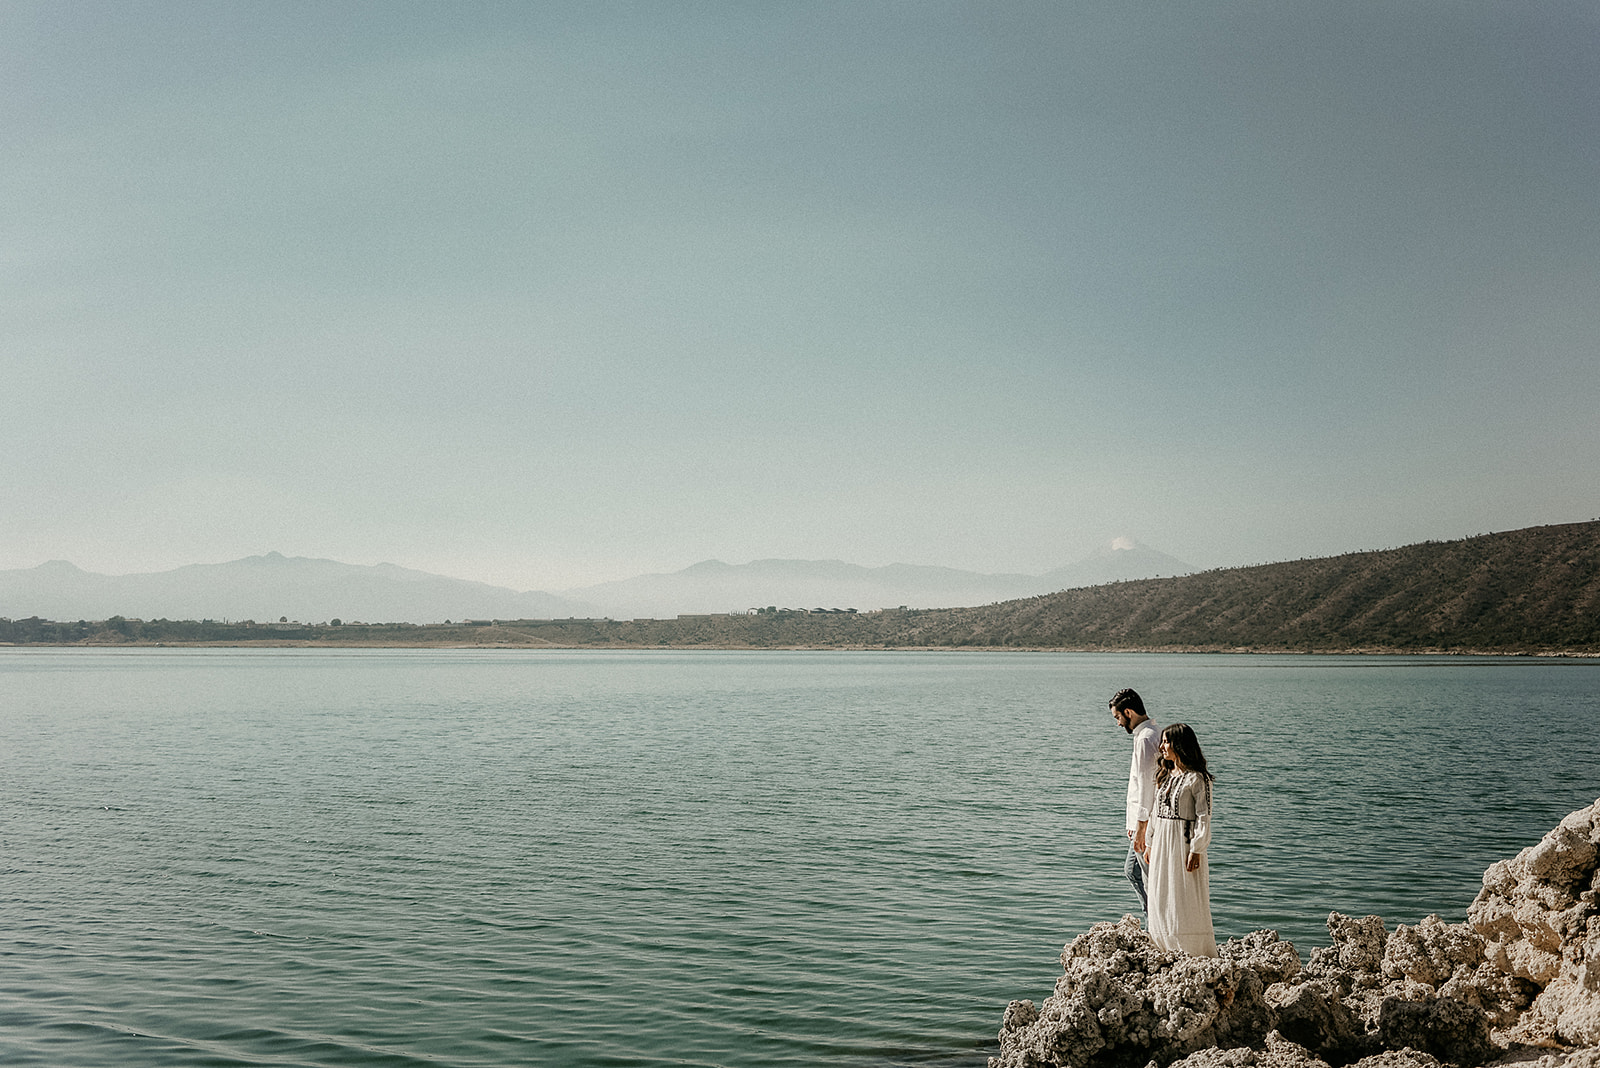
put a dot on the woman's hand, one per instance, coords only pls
(1194, 862)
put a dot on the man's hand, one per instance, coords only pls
(1138, 840)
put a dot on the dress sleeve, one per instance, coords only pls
(1202, 815)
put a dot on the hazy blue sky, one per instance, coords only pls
(547, 293)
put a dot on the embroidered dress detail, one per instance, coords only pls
(1171, 804)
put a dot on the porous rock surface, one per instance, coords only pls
(1518, 983)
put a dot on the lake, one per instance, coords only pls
(612, 858)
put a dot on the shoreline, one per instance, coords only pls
(530, 642)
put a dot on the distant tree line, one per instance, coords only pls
(117, 629)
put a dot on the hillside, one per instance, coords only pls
(1530, 589)
(1526, 591)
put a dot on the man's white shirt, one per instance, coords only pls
(1142, 773)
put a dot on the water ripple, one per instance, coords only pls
(468, 859)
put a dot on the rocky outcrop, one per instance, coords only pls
(1539, 914)
(1519, 981)
(1122, 1001)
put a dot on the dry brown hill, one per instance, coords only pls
(1524, 590)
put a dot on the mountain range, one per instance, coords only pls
(273, 586)
(267, 588)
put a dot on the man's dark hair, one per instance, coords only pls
(1127, 699)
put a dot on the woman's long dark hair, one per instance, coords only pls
(1186, 747)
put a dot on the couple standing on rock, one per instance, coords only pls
(1169, 824)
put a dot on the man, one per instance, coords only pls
(1127, 708)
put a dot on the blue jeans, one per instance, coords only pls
(1136, 869)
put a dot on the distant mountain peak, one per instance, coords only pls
(267, 559)
(1124, 559)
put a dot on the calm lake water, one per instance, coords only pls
(464, 858)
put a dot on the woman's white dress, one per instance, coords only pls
(1180, 900)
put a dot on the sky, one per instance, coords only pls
(550, 294)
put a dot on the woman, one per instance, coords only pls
(1179, 883)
